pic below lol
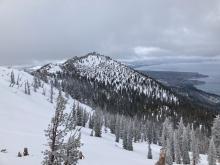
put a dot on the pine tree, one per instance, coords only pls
(194, 148)
(98, 124)
(55, 133)
(188, 130)
(91, 121)
(130, 138)
(12, 81)
(171, 141)
(150, 132)
(35, 84)
(18, 80)
(25, 88)
(180, 133)
(28, 88)
(85, 118)
(177, 148)
(169, 155)
(125, 138)
(44, 91)
(117, 129)
(149, 155)
(216, 135)
(51, 91)
(79, 114)
(212, 153)
(71, 149)
(165, 132)
(72, 119)
(185, 148)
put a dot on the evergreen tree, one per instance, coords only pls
(117, 129)
(169, 155)
(71, 150)
(91, 121)
(28, 88)
(130, 138)
(177, 148)
(98, 124)
(188, 131)
(85, 118)
(12, 80)
(185, 151)
(55, 134)
(212, 153)
(150, 132)
(35, 83)
(149, 155)
(171, 141)
(194, 148)
(25, 88)
(180, 133)
(216, 135)
(18, 80)
(51, 91)
(72, 119)
(44, 91)
(165, 132)
(79, 114)
(125, 138)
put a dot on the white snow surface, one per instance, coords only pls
(23, 119)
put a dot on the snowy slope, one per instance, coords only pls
(23, 119)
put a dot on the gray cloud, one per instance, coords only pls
(33, 30)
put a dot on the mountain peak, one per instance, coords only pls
(108, 72)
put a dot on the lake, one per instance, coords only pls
(212, 69)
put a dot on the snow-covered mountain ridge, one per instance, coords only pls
(105, 70)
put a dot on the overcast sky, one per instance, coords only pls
(36, 30)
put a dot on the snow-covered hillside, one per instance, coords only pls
(103, 69)
(23, 119)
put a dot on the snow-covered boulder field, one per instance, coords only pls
(23, 119)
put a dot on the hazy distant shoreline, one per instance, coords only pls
(208, 78)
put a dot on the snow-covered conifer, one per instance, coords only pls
(98, 124)
(149, 154)
(55, 134)
(51, 91)
(194, 148)
(177, 148)
(117, 129)
(216, 135)
(71, 151)
(165, 132)
(28, 88)
(125, 138)
(130, 138)
(12, 79)
(169, 155)
(185, 148)
(79, 114)
(212, 153)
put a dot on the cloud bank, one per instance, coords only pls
(32, 30)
